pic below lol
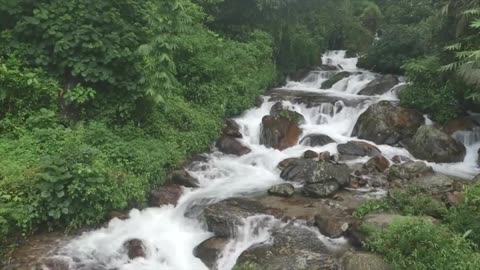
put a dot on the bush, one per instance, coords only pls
(419, 244)
(465, 218)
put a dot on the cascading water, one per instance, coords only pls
(171, 233)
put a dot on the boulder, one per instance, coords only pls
(364, 261)
(183, 178)
(293, 248)
(281, 132)
(334, 79)
(331, 226)
(314, 140)
(385, 123)
(313, 172)
(459, 124)
(432, 144)
(321, 190)
(282, 190)
(377, 164)
(54, 263)
(223, 218)
(380, 85)
(355, 149)
(434, 183)
(167, 194)
(454, 198)
(409, 170)
(325, 156)
(135, 248)
(310, 154)
(258, 101)
(232, 129)
(398, 159)
(210, 250)
(286, 162)
(231, 146)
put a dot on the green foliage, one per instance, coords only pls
(409, 202)
(431, 92)
(465, 218)
(246, 266)
(420, 244)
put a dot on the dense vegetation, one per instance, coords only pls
(99, 100)
(436, 44)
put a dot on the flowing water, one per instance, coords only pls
(171, 233)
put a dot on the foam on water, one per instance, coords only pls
(171, 233)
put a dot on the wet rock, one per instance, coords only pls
(232, 129)
(377, 164)
(258, 101)
(454, 198)
(231, 146)
(409, 170)
(223, 218)
(355, 149)
(334, 79)
(325, 156)
(385, 123)
(331, 226)
(167, 194)
(476, 179)
(434, 183)
(315, 99)
(313, 172)
(309, 154)
(464, 123)
(183, 178)
(292, 248)
(321, 190)
(286, 162)
(434, 145)
(281, 132)
(328, 67)
(209, 250)
(54, 263)
(400, 159)
(135, 248)
(364, 261)
(122, 215)
(380, 85)
(299, 75)
(282, 190)
(316, 140)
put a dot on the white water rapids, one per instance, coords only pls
(170, 236)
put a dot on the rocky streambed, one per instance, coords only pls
(280, 188)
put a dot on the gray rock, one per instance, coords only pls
(355, 149)
(54, 263)
(282, 190)
(183, 178)
(321, 190)
(334, 79)
(232, 129)
(364, 261)
(310, 154)
(434, 183)
(313, 172)
(167, 194)
(385, 123)
(331, 226)
(287, 162)
(432, 144)
(476, 179)
(223, 218)
(409, 170)
(210, 250)
(377, 164)
(316, 140)
(293, 248)
(380, 85)
(135, 248)
(231, 146)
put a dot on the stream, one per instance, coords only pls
(171, 233)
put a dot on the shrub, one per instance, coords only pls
(419, 244)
